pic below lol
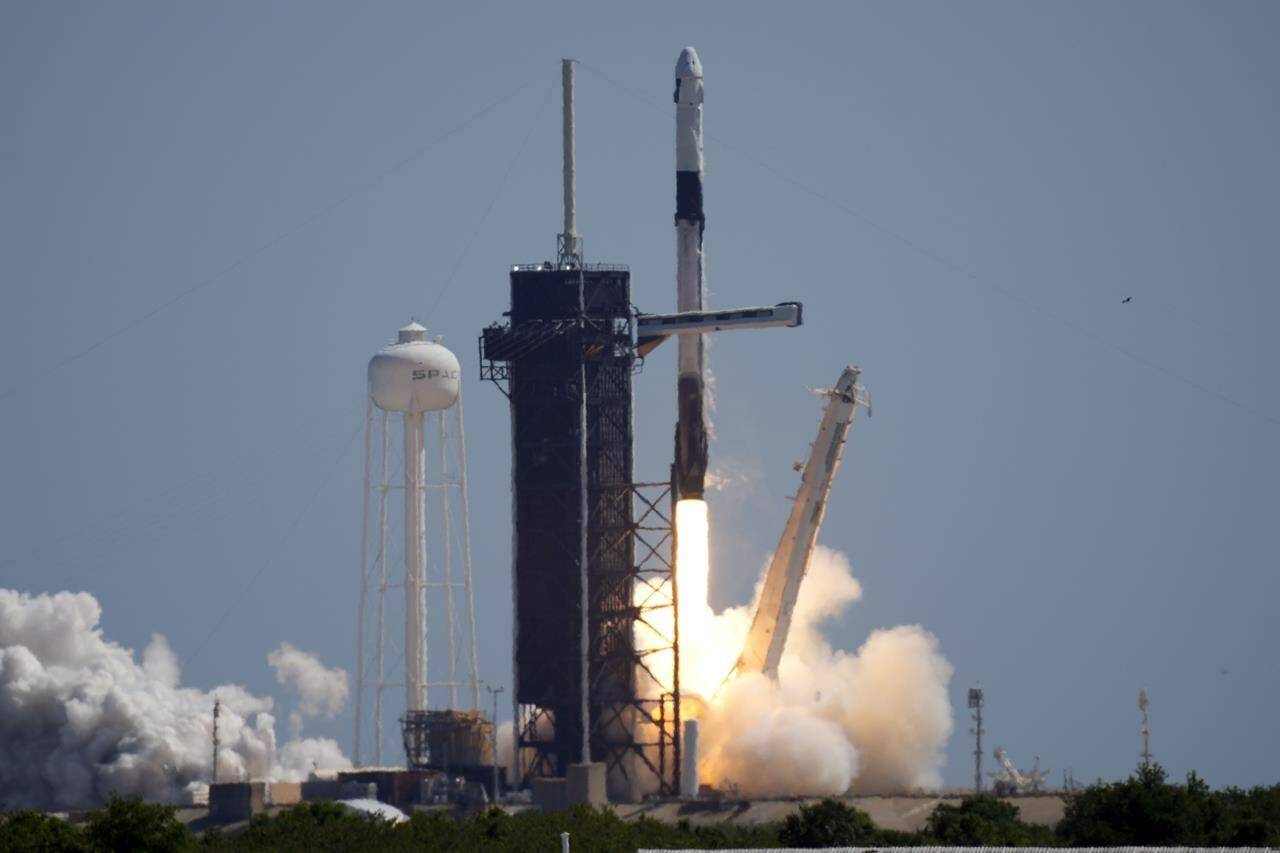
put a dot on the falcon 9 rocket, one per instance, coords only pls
(691, 426)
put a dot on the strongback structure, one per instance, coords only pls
(767, 637)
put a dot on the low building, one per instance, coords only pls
(235, 801)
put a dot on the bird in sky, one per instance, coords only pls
(1126, 300)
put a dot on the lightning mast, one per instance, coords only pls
(217, 711)
(1146, 728)
(569, 248)
(975, 704)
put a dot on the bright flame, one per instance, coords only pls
(876, 720)
(693, 570)
(709, 644)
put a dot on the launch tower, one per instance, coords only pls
(592, 548)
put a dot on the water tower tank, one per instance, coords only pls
(414, 374)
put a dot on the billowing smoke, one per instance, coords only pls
(872, 721)
(321, 691)
(300, 756)
(731, 479)
(506, 745)
(82, 718)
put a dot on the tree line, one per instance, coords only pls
(1144, 810)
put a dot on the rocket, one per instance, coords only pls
(691, 425)
(692, 320)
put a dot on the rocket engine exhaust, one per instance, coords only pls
(801, 718)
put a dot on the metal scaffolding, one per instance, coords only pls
(584, 569)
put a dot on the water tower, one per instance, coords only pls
(415, 382)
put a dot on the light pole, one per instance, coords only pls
(494, 691)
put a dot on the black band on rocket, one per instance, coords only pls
(691, 438)
(689, 198)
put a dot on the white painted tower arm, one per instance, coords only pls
(767, 637)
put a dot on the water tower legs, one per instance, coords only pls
(415, 564)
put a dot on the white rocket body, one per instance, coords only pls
(691, 428)
(690, 220)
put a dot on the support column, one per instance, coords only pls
(415, 650)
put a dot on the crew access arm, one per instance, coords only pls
(767, 638)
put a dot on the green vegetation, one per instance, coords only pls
(33, 832)
(829, 823)
(123, 824)
(984, 821)
(1145, 809)
(130, 824)
(326, 827)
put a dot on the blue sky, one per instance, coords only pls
(231, 206)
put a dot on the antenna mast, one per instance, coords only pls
(975, 703)
(1146, 729)
(569, 244)
(217, 711)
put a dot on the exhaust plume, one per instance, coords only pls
(872, 721)
(82, 718)
(321, 691)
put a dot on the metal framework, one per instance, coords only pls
(452, 681)
(976, 702)
(447, 739)
(653, 329)
(1143, 704)
(584, 568)
(217, 743)
(657, 608)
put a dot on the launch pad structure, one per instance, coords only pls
(593, 549)
(587, 536)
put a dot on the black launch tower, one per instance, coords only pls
(593, 550)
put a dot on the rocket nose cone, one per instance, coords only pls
(688, 65)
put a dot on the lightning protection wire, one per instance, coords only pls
(320, 212)
(497, 193)
(292, 230)
(332, 469)
(964, 272)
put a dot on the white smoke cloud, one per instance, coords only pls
(81, 718)
(897, 710)
(736, 479)
(506, 739)
(300, 756)
(760, 740)
(874, 721)
(321, 691)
